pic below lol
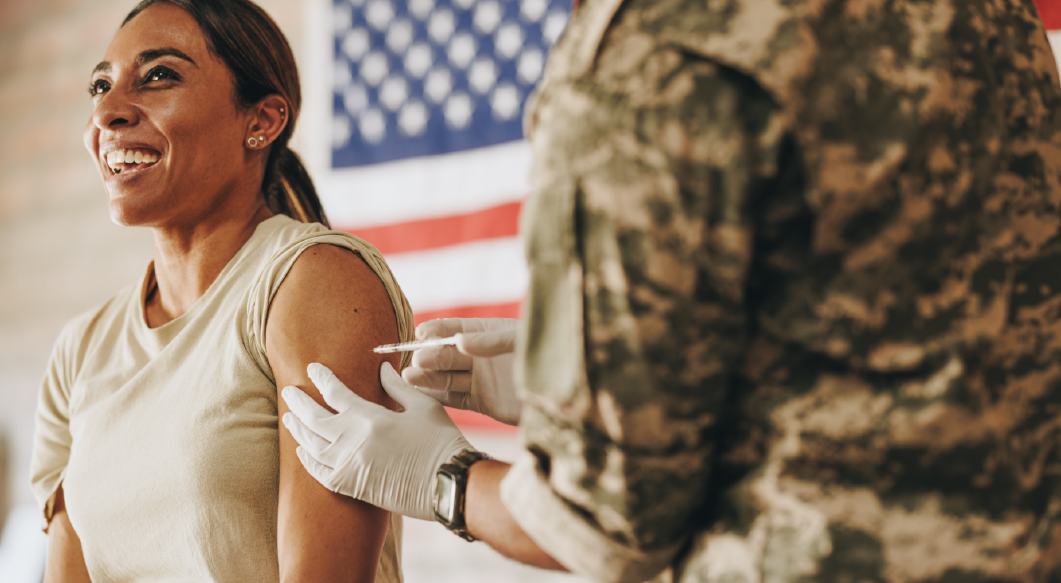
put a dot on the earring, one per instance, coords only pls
(252, 142)
(261, 140)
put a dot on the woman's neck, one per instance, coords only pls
(189, 259)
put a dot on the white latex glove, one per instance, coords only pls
(369, 452)
(477, 374)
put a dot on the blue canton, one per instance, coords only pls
(427, 77)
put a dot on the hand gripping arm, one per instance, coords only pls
(368, 452)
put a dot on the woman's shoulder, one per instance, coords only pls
(285, 227)
(78, 332)
(285, 240)
(286, 244)
(283, 233)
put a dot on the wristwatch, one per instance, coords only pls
(451, 483)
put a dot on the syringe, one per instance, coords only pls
(414, 345)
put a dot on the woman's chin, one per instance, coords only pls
(125, 214)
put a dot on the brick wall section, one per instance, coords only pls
(59, 253)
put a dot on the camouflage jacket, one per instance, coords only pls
(795, 293)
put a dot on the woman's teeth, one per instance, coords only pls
(119, 159)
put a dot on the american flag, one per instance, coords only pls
(427, 156)
(428, 160)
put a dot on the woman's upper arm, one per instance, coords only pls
(333, 309)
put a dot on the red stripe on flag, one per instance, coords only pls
(492, 223)
(509, 310)
(1050, 11)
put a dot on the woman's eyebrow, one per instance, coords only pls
(148, 56)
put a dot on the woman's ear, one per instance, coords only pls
(268, 120)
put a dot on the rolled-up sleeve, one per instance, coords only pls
(640, 242)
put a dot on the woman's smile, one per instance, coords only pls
(130, 160)
(125, 161)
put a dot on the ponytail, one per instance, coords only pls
(288, 188)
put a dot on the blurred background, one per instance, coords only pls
(411, 129)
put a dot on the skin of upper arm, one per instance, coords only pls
(333, 309)
(66, 561)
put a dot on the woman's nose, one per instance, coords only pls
(114, 111)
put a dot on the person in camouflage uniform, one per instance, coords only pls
(795, 293)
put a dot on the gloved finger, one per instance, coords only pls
(448, 398)
(401, 391)
(440, 328)
(304, 436)
(438, 380)
(319, 471)
(336, 394)
(492, 343)
(441, 358)
(492, 324)
(431, 379)
(308, 411)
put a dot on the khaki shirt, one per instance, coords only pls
(165, 439)
(795, 293)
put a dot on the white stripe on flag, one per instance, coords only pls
(481, 272)
(419, 188)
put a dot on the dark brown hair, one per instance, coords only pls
(254, 49)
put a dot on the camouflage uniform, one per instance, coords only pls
(796, 288)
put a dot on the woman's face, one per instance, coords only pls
(166, 133)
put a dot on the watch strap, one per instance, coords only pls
(458, 466)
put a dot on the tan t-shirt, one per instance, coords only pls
(165, 440)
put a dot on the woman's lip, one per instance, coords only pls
(130, 173)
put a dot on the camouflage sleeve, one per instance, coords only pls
(620, 410)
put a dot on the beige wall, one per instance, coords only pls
(59, 253)
(6, 484)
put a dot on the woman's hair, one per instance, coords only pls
(254, 49)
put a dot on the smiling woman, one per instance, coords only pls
(158, 454)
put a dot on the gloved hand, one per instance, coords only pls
(477, 374)
(369, 452)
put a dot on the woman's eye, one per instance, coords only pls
(98, 87)
(161, 74)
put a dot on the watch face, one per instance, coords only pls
(445, 497)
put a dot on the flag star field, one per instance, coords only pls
(430, 77)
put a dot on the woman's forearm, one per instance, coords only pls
(66, 562)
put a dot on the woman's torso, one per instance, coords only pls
(173, 463)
